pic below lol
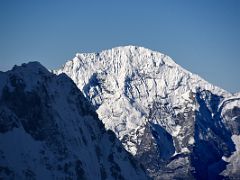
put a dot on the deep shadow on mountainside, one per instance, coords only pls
(48, 130)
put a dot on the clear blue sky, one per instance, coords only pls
(203, 36)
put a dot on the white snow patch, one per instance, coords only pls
(187, 96)
(185, 150)
(191, 140)
(176, 131)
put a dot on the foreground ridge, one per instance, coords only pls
(48, 130)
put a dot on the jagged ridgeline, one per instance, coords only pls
(172, 121)
(48, 130)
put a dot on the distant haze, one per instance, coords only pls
(201, 36)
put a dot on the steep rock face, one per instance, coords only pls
(49, 131)
(167, 117)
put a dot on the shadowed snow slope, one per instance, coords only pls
(174, 122)
(49, 131)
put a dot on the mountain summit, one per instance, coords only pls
(172, 121)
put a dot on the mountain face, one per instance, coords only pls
(48, 130)
(172, 121)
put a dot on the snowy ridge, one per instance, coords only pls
(157, 109)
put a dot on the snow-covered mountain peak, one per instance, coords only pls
(123, 53)
(132, 77)
(155, 107)
(128, 61)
